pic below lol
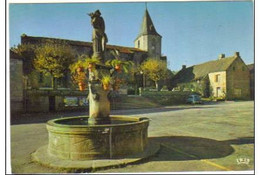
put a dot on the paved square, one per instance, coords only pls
(210, 137)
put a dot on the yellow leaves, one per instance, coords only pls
(155, 69)
(106, 79)
(53, 59)
(80, 63)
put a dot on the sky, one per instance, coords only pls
(192, 32)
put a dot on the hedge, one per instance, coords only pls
(167, 97)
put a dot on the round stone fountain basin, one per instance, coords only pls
(72, 138)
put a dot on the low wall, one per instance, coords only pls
(167, 97)
(39, 100)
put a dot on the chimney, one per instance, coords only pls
(183, 66)
(221, 56)
(237, 54)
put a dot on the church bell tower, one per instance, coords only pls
(148, 39)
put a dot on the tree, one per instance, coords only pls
(168, 81)
(155, 69)
(53, 60)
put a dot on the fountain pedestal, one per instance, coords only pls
(99, 105)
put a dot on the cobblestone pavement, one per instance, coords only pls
(210, 137)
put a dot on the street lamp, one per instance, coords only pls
(143, 78)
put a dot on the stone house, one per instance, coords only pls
(34, 89)
(251, 68)
(226, 77)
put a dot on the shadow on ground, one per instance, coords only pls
(44, 117)
(178, 148)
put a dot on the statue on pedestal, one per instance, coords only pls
(99, 37)
(98, 97)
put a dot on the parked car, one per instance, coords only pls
(194, 99)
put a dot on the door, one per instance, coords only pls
(218, 91)
(51, 103)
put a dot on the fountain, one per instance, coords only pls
(100, 139)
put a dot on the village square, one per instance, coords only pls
(81, 106)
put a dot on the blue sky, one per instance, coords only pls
(192, 32)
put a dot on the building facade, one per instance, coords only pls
(224, 78)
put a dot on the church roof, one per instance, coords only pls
(33, 40)
(200, 71)
(147, 27)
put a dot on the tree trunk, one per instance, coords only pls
(156, 85)
(53, 83)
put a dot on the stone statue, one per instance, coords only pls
(99, 37)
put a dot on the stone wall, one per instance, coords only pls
(218, 84)
(141, 43)
(151, 44)
(154, 46)
(238, 81)
(16, 85)
(38, 100)
(37, 103)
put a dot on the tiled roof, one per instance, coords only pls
(202, 70)
(122, 49)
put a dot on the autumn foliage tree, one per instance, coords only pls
(155, 69)
(53, 60)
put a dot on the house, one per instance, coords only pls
(226, 77)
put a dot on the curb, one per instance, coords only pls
(42, 157)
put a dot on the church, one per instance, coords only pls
(29, 93)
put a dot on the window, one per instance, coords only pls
(217, 78)
(234, 68)
(243, 68)
(138, 43)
